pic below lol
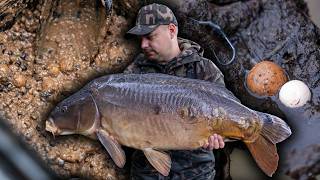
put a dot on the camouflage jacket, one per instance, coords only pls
(190, 63)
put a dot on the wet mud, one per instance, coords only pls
(8, 11)
(52, 49)
(49, 49)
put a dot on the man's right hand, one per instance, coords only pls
(214, 142)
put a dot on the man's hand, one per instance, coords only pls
(214, 142)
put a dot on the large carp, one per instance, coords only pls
(155, 112)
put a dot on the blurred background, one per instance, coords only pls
(314, 6)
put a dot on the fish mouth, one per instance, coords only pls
(51, 127)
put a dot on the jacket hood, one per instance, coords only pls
(188, 47)
(190, 52)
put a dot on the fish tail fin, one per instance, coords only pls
(263, 149)
(265, 154)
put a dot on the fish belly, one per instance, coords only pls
(152, 130)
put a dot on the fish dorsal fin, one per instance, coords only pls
(159, 160)
(113, 147)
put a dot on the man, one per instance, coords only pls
(164, 52)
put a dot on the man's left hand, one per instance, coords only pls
(214, 142)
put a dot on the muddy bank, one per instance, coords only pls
(52, 48)
(47, 55)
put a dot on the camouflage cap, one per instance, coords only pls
(150, 17)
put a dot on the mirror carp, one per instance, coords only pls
(156, 112)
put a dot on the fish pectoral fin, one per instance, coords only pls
(265, 154)
(161, 161)
(113, 147)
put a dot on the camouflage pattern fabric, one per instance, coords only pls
(190, 63)
(190, 165)
(198, 164)
(150, 17)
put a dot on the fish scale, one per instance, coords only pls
(141, 96)
(155, 112)
(167, 80)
